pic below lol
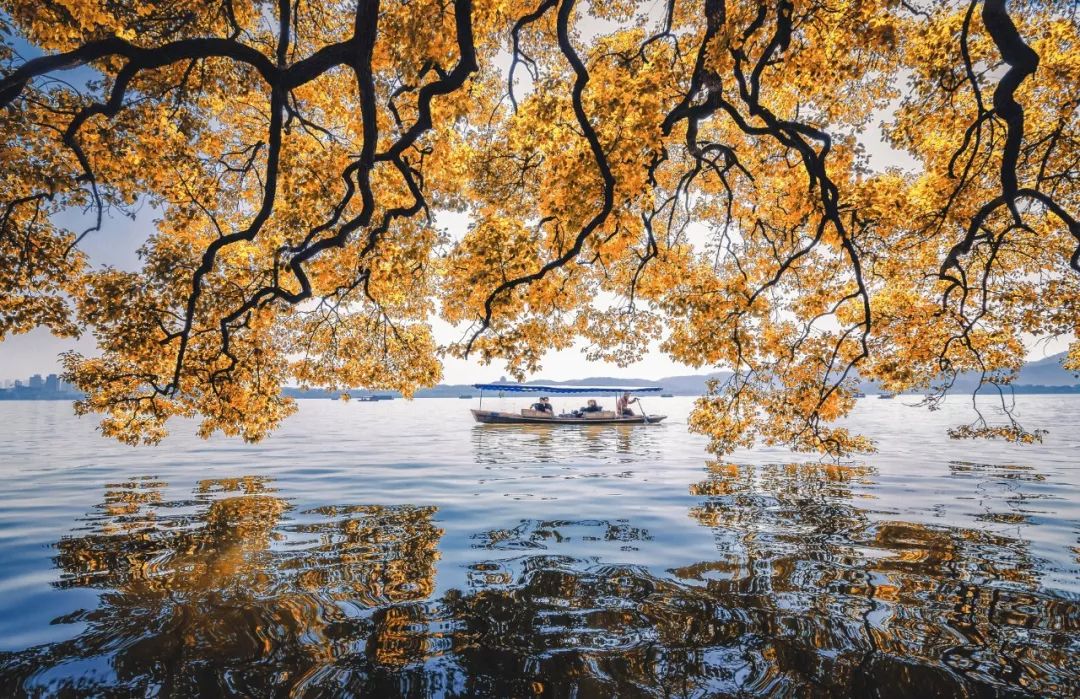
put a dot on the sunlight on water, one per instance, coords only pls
(398, 548)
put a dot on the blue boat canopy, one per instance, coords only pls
(585, 390)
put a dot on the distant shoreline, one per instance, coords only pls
(320, 394)
(1046, 376)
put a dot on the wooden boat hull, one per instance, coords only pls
(491, 417)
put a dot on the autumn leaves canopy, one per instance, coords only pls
(688, 172)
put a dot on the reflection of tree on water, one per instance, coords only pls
(501, 444)
(134, 537)
(219, 595)
(850, 602)
(237, 592)
(808, 597)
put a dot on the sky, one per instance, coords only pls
(37, 352)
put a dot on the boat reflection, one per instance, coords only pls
(529, 444)
(236, 591)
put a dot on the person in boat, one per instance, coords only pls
(543, 406)
(622, 406)
(590, 407)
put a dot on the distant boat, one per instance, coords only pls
(465, 396)
(667, 395)
(860, 394)
(886, 396)
(536, 417)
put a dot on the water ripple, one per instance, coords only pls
(433, 557)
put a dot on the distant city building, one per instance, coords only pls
(50, 387)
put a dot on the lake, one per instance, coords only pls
(397, 548)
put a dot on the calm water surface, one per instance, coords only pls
(397, 548)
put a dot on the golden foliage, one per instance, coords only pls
(696, 176)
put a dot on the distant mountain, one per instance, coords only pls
(691, 384)
(1042, 376)
(1048, 372)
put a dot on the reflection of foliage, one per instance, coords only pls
(370, 553)
(133, 542)
(942, 604)
(610, 630)
(217, 594)
(807, 597)
(235, 592)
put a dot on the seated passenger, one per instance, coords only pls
(544, 406)
(592, 407)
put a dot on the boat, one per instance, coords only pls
(534, 417)
(465, 396)
(492, 417)
(374, 398)
(886, 396)
(667, 395)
